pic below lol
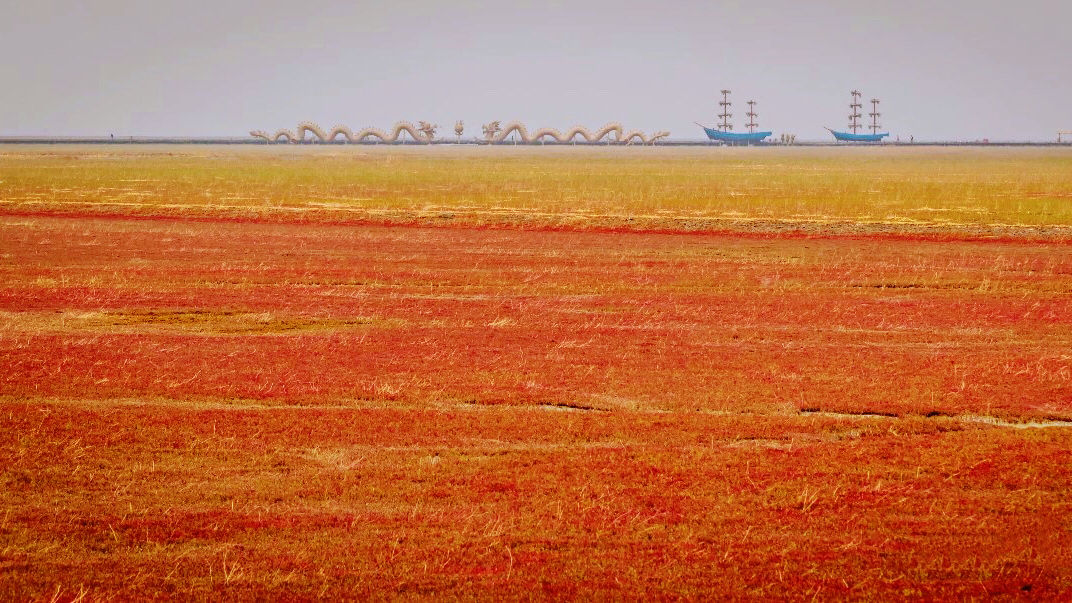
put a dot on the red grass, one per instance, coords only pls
(259, 410)
(665, 322)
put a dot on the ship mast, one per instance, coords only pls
(751, 116)
(874, 116)
(854, 117)
(725, 125)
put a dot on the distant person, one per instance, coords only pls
(911, 139)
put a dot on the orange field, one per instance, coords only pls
(264, 405)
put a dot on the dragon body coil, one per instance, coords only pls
(423, 133)
(495, 133)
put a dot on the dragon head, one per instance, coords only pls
(491, 129)
(427, 129)
(659, 134)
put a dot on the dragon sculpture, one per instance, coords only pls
(496, 133)
(423, 132)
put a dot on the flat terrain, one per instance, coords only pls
(823, 190)
(513, 373)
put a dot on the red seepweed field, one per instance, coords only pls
(384, 374)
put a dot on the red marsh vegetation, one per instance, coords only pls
(199, 406)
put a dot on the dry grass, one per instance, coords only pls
(632, 187)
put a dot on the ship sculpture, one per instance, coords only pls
(724, 132)
(854, 123)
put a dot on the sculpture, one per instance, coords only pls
(495, 133)
(428, 130)
(423, 132)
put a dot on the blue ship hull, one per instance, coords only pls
(745, 137)
(850, 137)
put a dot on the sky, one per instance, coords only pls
(943, 69)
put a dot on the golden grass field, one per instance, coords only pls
(659, 187)
(304, 372)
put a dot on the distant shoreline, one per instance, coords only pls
(128, 140)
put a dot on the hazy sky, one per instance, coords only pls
(943, 69)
